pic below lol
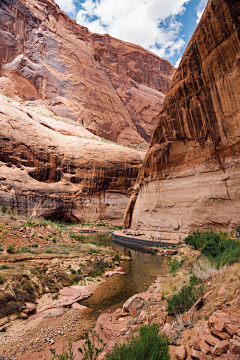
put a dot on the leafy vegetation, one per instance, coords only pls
(89, 350)
(174, 265)
(11, 249)
(185, 298)
(1, 279)
(4, 267)
(149, 344)
(218, 247)
(4, 208)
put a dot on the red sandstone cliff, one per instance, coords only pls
(115, 88)
(190, 176)
(57, 170)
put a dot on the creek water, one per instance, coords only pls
(141, 272)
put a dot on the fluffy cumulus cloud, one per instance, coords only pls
(66, 5)
(152, 24)
(200, 9)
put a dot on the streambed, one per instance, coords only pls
(141, 272)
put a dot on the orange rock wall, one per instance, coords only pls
(61, 171)
(115, 88)
(190, 176)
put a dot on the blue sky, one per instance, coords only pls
(161, 26)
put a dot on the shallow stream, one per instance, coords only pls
(141, 272)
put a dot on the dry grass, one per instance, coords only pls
(174, 283)
(204, 269)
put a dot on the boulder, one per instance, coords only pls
(142, 315)
(212, 340)
(23, 315)
(205, 349)
(181, 353)
(76, 306)
(221, 334)
(136, 302)
(231, 329)
(221, 347)
(195, 343)
(234, 347)
(132, 311)
(195, 354)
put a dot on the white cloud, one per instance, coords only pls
(200, 9)
(178, 63)
(149, 23)
(66, 5)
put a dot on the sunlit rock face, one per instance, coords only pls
(190, 178)
(61, 171)
(115, 88)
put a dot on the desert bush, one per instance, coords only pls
(93, 251)
(1, 279)
(67, 354)
(4, 267)
(204, 269)
(89, 350)
(1, 249)
(149, 344)
(11, 249)
(4, 208)
(49, 251)
(184, 299)
(220, 249)
(174, 265)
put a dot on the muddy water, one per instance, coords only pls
(141, 271)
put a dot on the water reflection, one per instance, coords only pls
(141, 272)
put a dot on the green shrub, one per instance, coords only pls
(149, 344)
(174, 265)
(1, 249)
(4, 267)
(93, 251)
(44, 269)
(25, 249)
(54, 239)
(184, 299)
(1, 279)
(213, 246)
(3, 329)
(216, 246)
(67, 353)
(11, 249)
(89, 350)
(35, 245)
(96, 273)
(4, 208)
(49, 251)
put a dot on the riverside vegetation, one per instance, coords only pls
(208, 262)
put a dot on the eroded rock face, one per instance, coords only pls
(190, 177)
(115, 88)
(56, 170)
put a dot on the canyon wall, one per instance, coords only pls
(115, 89)
(61, 171)
(190, 178)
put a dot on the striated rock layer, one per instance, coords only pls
(59, 171)
(190, 178)
(115, 88)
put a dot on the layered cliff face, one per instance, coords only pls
(57, 170)
(116, 89)
(190, 178)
